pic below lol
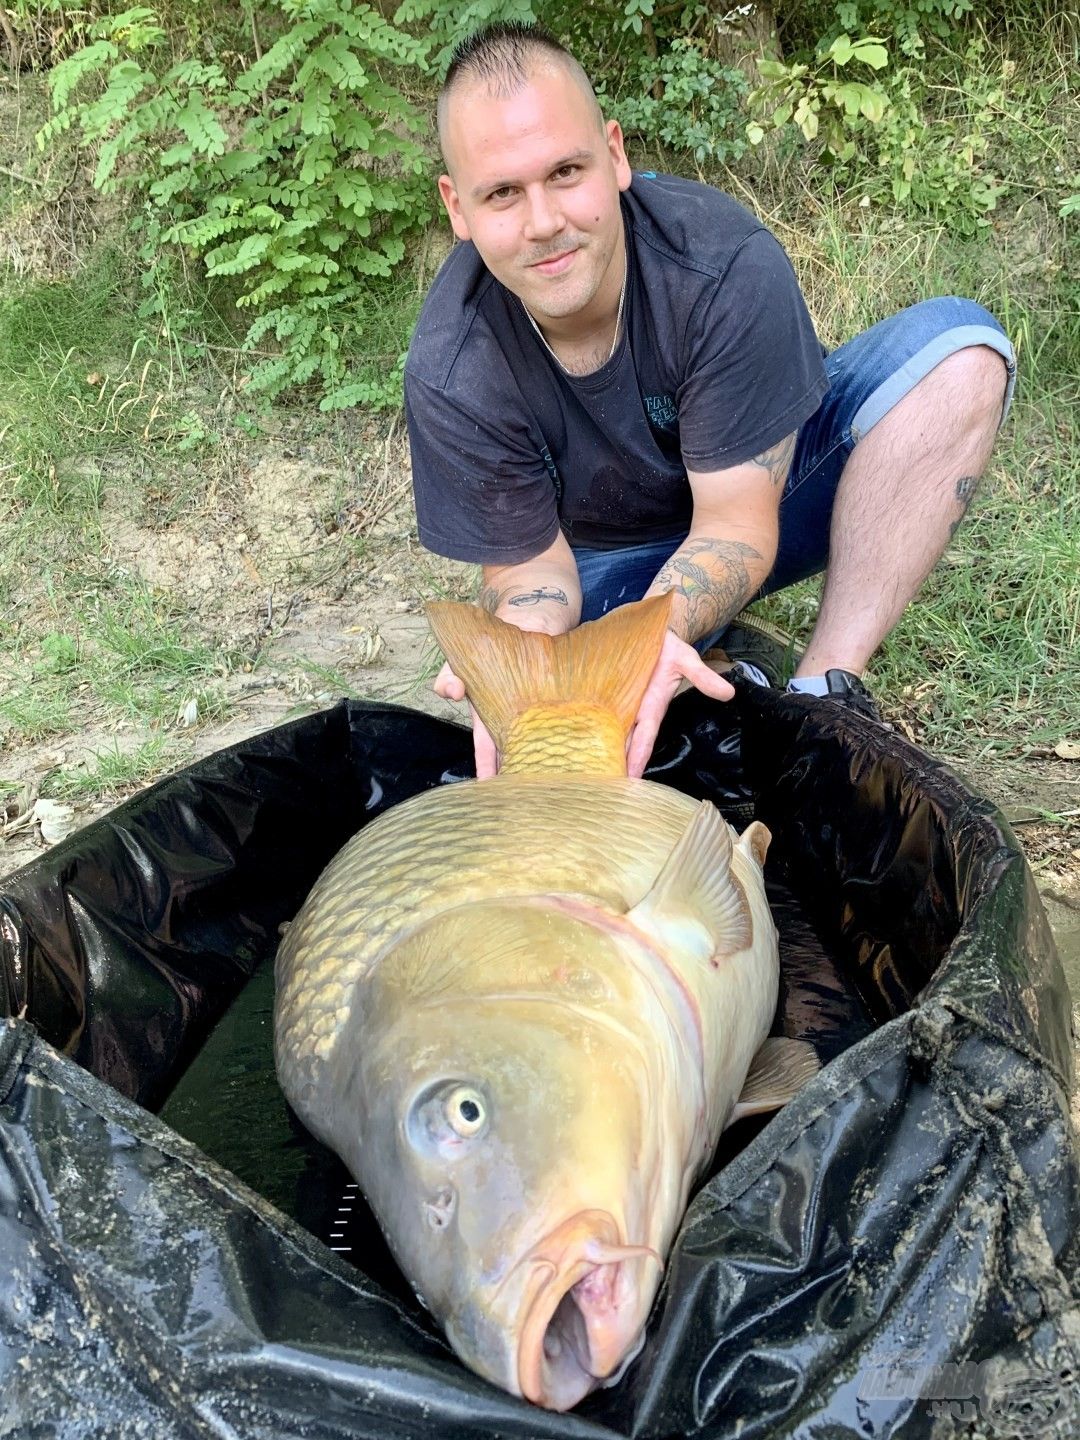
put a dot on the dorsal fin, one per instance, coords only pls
(563, 702)
(697, 895)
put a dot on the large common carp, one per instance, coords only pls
(521, 1010)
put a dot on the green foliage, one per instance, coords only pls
(59, 653)
(447, 22)
(686, 99)
(907, 22)
(814, 94)
(299, 177)
(941, 170)
(874, 131)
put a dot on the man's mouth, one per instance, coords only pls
(555, 264)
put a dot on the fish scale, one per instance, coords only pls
(399, 872)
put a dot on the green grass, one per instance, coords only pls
(987, 659)
(125, 656)
(113, 772)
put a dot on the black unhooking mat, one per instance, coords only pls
(895, 1253)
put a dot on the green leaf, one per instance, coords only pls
(234, 260)
(873, 104)
(281, 56)
(871, 52)
(772, 70)
(201, 126)
(754, 133)
(69, 72)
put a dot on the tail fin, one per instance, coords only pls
(562, 702)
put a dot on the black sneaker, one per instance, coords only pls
(848, 690)
(760, 644)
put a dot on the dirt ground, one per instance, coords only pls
(312, 591)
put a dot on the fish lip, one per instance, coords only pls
(574, 1250)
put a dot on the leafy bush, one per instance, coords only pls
(449, 21)
(298, 174)
(686, 100)
(874, 130)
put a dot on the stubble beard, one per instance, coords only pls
(556, 302)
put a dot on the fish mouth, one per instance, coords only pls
(586, 1318)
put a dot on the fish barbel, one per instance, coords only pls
(522, 1010)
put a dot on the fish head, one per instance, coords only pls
(511, 1145)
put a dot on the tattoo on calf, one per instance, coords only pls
(489, 599)
(778, 460)
(711, 599)
(965, 489)
(535, 597)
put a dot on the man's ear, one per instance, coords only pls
(617, 150)
(453, 207)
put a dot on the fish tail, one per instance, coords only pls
(555, 702)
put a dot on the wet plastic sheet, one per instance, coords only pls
(895, 1253)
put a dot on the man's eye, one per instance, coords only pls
(502, 193)
(566, 172)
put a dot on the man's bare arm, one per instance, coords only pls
(539, 594)
(731, 546)
(719, 567)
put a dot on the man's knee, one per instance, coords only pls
(977, 373)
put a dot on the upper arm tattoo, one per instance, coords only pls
(712, 598)
(777, 461)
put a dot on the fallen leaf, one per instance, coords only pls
(1068, 749)
(56, 819)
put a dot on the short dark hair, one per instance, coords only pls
(502, 56)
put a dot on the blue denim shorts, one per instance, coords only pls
(867, 377)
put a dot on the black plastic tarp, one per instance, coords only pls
(896, 1252)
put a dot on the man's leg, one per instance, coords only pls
(903, 492)
(610, 578)
(884, 470)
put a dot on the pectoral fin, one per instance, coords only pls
(777, 1073)
(696, 901)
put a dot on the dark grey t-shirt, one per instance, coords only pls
(718, 362)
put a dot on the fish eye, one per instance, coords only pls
(466, 1113)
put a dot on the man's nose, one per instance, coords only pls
(544, 218)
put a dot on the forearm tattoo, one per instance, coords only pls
(534, 597)
(777, 461)
(713, 579)
(965, 489)
(490, 598)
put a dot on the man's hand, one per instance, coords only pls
(450, 687)
(678, 661)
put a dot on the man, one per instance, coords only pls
(615, 390)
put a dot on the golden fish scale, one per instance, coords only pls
(516, 835)
(567, 739)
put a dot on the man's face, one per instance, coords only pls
(535, 186)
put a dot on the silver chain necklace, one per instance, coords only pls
(615, 340)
